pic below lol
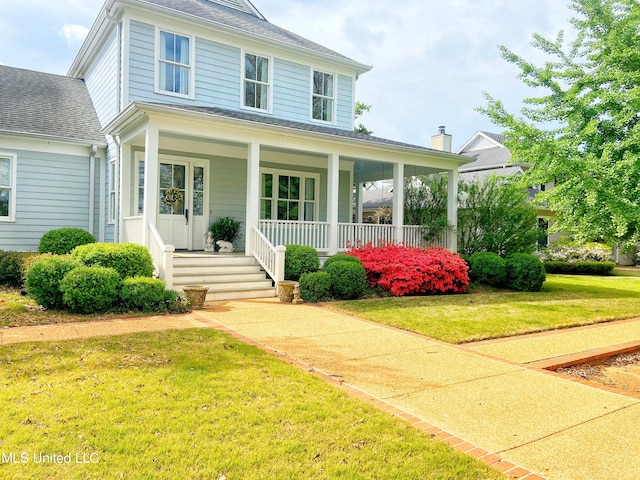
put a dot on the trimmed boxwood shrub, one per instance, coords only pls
(487, 268)
(90, 289)
(142, 293)
(128, 259)
(579, 268)
(340, 257)
(12, 268)
(63, 240)
(43, 279)
(315, 287)
(299, 260)
(525, 272)
(348, 279)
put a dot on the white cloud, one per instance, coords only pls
(74, 34)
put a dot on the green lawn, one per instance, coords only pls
(197, 404)
(564, 301)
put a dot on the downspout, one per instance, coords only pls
(92, 187)
(117, 227)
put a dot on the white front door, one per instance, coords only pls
(181, 217)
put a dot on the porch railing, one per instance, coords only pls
(132, 230)
(281, 232)
(269, 256)
(362, 233)
(414, 237)
(162, 256)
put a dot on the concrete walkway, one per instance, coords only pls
(485, 399)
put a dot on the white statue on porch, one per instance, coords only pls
(208, 247)
(224, 247)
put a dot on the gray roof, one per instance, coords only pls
(307, 127)
(498, 137)
(481, 175)
(36, 103)
(376, 198)
(486, 158)
(247, 22)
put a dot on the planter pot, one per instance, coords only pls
(196, 294)
(285, 290)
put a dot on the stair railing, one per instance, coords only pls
(269, 256)
(162, 256)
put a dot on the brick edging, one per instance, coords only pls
(494, 461)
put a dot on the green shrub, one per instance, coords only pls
(341, 257)
(525, 272)
(226, 228)
(173, 302)
(43, 279)
(315, 287)
(128, 259)
(348, 279)
(12, 268)
(142, 293)
(63, 240)
(90, 289)
(300, 260)
(487, 268)
(579, 268)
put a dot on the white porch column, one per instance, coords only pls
(452, 211)
(253, 195)
(359, 190)
(151, 168)
(126, 185)
(398, 201)
(333, 184)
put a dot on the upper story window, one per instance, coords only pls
(7, 187)
(175, 64)
(256, 82)
(323, 97)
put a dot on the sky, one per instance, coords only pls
(432, 59)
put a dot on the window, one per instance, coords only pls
(256, 82)
(112, 192)
(140, 187)
(174, 64)
(7, 187)
(323, 97)
(288, 196)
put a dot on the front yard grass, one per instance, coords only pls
(197, 404)
(565, 301)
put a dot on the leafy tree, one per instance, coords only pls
(497, 217)
(360, 109)
(425, 203)
(584, 131)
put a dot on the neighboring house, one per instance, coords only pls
(493, 158)
(242, 117)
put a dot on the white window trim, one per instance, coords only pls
(192, 64)
(112, 191)
(13, 179)
(139, 159)
(292, 173)
(334, 111)
(269, 108)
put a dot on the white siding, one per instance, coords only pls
(102, 82)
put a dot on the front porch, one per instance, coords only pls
(286, 183)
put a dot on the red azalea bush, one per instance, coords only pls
(410, 271)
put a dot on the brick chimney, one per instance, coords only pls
(441, 141)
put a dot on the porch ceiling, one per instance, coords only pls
(369, 171)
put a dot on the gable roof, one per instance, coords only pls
(497, 137)
(237, 16)
(487, 158)
(47, 105)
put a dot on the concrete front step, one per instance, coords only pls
(228, 277)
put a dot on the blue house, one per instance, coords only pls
(177, 112)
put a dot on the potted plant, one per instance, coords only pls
(225, 229)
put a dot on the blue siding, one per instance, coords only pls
(102, 82)
(345, 102)
(291, 90)
(228, 190)
(218, 70)
(52, 192)
(217, 74)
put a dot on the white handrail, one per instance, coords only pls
(286, 232)
(162, 256)
(270, 257)
(356, 234)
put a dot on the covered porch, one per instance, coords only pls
(288, 182)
